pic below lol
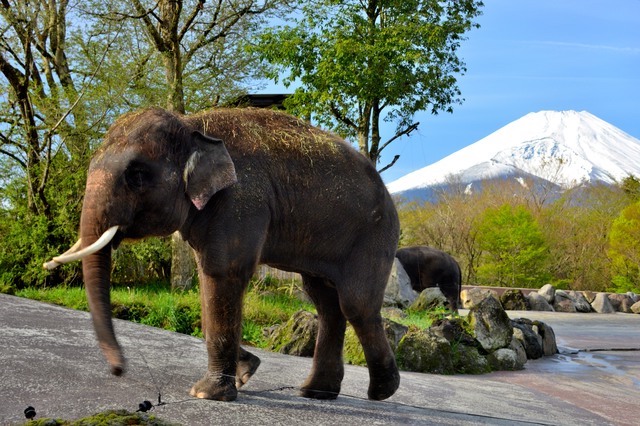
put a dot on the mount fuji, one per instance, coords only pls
(565, 148)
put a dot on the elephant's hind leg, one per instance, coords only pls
(361, 300)
(327, 372)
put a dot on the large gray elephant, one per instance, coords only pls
(430, 267)
(244, 187)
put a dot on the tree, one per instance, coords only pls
(46, 128)
(514, 248)
(200, 43)
(624, 249)
(361, 62)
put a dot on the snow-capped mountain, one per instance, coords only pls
(567, 148)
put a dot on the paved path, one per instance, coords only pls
(49, 360)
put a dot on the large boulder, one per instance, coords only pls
(635, 308)
(504, 359)
(536, 337)
(399, 292)
(530, 340)
(453, 329)
(548, 292)
(468, 360)
(621, 302)
(490, 324)
(475, 295)
(589, 295)
(518, 348)
(601, 304)
(537, 302)
(580, 302)
(394, 331)
(424, 352)
(513, 300)
(295, 337)
(563, 302)
(430, 298)
(549, 345)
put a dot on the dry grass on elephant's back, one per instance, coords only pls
(253, 129)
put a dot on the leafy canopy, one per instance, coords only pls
(356, 59)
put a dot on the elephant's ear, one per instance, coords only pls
(209, 169)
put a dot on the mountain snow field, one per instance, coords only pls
(567, 148)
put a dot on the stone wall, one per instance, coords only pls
(548, 298)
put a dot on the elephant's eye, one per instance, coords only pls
(138, 176)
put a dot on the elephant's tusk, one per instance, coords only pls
(51, 264)
(72, 255)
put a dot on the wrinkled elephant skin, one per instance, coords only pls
(245, 187)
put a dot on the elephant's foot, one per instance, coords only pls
(315, 393)
(213, 386)
(382, 386)
(248, 363)
(323, 386)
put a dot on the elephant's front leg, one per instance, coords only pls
(222, 321)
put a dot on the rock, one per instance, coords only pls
(635, 308)
(429, 299)
(453, 330)
(549, 345)
(548, 292)
(513, 300)
(563, 302)
(399, 292)
(504, 359)
(601, 304)
(634, 297)
(394, 331)
(392, 313)
(530, 340)
(467, 360)
(589, 295)
(620, 302)
(490, 324)
(475, 295)
(537, 302)
(580, 302)
(424, 352)
(518, 348)
(297, 336)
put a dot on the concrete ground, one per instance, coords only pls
(49, 360)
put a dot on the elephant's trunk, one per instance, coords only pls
(96, 267)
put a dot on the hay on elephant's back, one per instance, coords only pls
(268, 130)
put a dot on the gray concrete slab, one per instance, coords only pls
(49, 360)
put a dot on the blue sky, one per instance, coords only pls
(533, 55)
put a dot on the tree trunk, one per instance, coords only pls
(182, 264)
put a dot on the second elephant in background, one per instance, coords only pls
(430, 267)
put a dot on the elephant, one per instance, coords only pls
(430, 267)
(246, 186)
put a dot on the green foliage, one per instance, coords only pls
(106, 418)
(514, 248)
(355, 59)
(142, 261)
(631, 187)
(624, 249)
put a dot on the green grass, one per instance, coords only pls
(267, 302)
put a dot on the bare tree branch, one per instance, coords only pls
(406, 131)
(395, 158)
